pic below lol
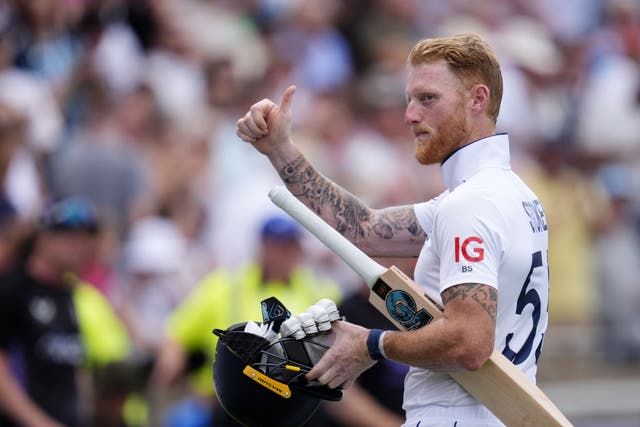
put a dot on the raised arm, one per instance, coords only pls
(392, 231)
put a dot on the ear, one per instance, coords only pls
(479, 98)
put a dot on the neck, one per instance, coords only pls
(476, 134)
(484, 129)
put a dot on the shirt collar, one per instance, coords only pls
(466, 161)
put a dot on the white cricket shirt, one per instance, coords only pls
(488, 227)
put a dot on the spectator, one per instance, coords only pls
(51, 325)
(574, 208)
(616, 250)
(158, 269)
(19, 174)
(31, 96)
(102, 162)
(609, 109)
(174, 69)
(46, 45)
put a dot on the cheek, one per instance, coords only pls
(435, 120)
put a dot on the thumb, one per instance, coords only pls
(287, 99)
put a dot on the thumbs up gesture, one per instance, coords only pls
(267, 125)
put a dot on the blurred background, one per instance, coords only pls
(132, 104)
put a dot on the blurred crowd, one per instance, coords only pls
(132, 105)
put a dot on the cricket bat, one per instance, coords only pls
(498, 384)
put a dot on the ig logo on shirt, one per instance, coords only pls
(471, 250)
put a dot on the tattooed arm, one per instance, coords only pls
(391, 232)
(462, 339)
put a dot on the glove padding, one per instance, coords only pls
(317, 318)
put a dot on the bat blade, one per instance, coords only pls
(498, 384)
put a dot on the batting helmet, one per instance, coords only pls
(262, 384)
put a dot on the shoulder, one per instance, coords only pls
(88, 292)
(215, 286)
(12, 283)
(426, 209)
(425, 212)
(495, 189)
(219, 279)
(474, 209)
(470, 199)
(88, 298)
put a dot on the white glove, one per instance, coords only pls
(330, 307)
(292, 328)
(320, 316)
(262, 330)
(316, 319)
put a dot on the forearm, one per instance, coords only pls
(338, 207)
(359, 409)
(385, 232)
(443, 345)
(15, 402)
(433, 347)
(170, 364)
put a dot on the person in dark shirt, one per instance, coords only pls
(40, 342)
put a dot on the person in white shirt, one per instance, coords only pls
(481, 245)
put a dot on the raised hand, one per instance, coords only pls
(267, 125)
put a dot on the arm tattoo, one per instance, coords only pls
(322, 196)
(399, 219)
(349, 215)
(484, 295)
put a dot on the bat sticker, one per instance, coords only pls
(402, 307)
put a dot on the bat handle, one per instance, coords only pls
(360, 262)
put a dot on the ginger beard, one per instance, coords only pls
(434, 145)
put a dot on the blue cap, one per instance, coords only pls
(280, 228)
(70, 214)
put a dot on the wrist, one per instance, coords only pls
(375, 344)
(283, 153)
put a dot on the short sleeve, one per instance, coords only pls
(426, 212)
(469, 235)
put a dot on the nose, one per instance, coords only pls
(411, 115)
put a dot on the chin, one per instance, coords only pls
(426, 152)
(424, 157)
